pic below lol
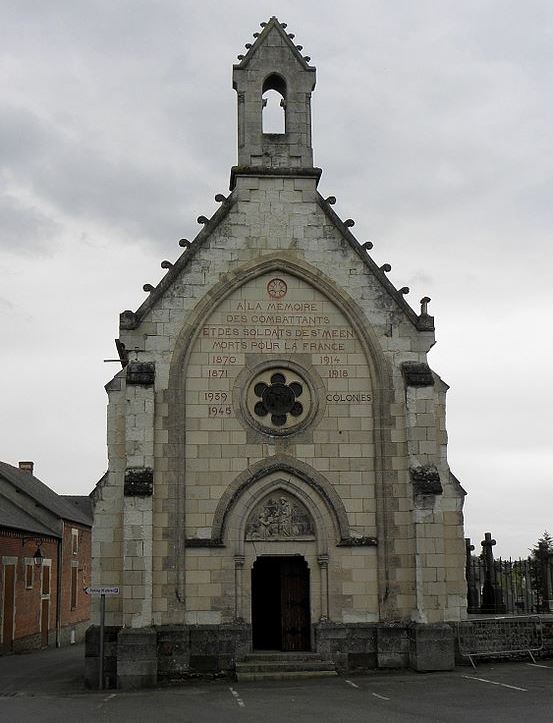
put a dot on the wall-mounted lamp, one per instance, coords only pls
(38, 556)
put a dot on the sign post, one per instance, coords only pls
(101, 592)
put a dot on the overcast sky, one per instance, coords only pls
(433, 124)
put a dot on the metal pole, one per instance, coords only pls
(102, 620)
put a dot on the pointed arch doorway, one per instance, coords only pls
(281, 618)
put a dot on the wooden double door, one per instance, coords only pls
(281, 618)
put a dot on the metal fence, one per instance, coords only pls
(500, 636)
(520, 587)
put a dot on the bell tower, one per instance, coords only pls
(274, 63)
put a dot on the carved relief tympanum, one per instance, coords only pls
(279, 517)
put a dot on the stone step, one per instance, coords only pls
(285, 675)
(272, 656)
(284, 666)
(279, 666)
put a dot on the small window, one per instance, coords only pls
(29, 575)
(45, 579)
(74, 575)
(75, 541)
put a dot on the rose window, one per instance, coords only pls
(278, 400)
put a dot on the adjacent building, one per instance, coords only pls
(45, 542)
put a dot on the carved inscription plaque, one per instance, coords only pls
(281, 317)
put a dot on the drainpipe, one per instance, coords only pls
(59, 586)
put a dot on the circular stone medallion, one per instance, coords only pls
(277, 288)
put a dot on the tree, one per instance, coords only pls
(541, 561)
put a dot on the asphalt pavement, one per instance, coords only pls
(47, 686)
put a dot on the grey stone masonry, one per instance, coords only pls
(431, 647)
(294, 79)
(136, 658)
(275, 401)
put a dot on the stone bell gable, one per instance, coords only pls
(273, 62)
(275, 402)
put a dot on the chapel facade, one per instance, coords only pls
(278, 475)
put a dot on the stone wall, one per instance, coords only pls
(172, 654)
(276, 228)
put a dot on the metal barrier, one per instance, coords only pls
(500, 636)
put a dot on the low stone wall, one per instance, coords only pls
(351, 647)
(356, 647)
(169, 654)
(92, 656)
(163, 655)
(185, 651)
(547, 622)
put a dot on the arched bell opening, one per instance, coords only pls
(274, 105)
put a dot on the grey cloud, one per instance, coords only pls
(136, 196)
(24, 229)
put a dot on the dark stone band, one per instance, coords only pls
(417, 374)
(139, 482)
(141, 373)
(426, 480)
(203, 542)
(358, 542)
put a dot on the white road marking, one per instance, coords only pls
(535, 665)
(109, 697)
(350, 682)
(494, 682)
(237, 697)
(382, 697)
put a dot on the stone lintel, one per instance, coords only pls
(203, 542)
(143, 373)
(417, 374)
(275, 172)
(139, 482)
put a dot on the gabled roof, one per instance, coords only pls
(81, 502)
(42, 494)
(424, 322)
(261, 39)
(131, 320)
(13, 517)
